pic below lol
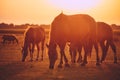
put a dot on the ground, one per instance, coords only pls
(11, 67)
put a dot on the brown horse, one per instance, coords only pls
(105, 34)
(71, 28)
(105, 39)
(10, 38)
(33, 37)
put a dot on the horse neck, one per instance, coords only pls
(26, 44)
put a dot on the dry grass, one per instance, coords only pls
(11, 67)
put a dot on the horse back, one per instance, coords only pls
(73, 27)
(9, 37)
(104, 31)
(35, 35)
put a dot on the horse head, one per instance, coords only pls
(24, 53)
(52, 53)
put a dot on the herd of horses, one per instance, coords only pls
(80, 31)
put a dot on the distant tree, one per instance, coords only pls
(3, 25)
(11, 25)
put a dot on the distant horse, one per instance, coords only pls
(10, 38)
(33, 37)
(71, 28)
(105, 39)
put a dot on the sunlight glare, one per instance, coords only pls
(75, 4)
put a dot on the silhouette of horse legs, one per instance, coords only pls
(110, 43)
(73, 52)
(104, 50)
(86, 50)
(62, 53)
(97, 55)
(42, 47)
(114, 50)
(79, 60)
(31, 51)
(38, 49)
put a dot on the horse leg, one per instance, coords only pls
(42, 46)
(85, 55)
(61, 60)
(73, 53)
(38, 50)
(31, 53)
(30, 49)
(62, 47)
(114, 50)
(70, 51)
(80, 56)
(97, 55)
(104, 50)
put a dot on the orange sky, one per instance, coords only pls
(44, 11)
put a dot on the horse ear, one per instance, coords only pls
(47, 45)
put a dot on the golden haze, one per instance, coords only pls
(44, 11)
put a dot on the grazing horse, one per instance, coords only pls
(33, 36)
(105, 39)
(10, 38)
(71, 28)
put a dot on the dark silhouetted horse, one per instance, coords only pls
(105, 39)
(33, 36)
(9, 38)
(79, 28)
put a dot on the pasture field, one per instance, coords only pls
(11, 67)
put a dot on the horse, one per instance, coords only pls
(71, 28)
(105, 39)
(33, 37)
(10, 38)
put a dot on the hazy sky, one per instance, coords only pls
(44, 11)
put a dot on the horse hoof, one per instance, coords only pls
(59, 66)
(67, 65)
(98, 64)
(83, 64)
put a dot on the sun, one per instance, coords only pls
(75, 5)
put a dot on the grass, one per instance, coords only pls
(11, 67)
